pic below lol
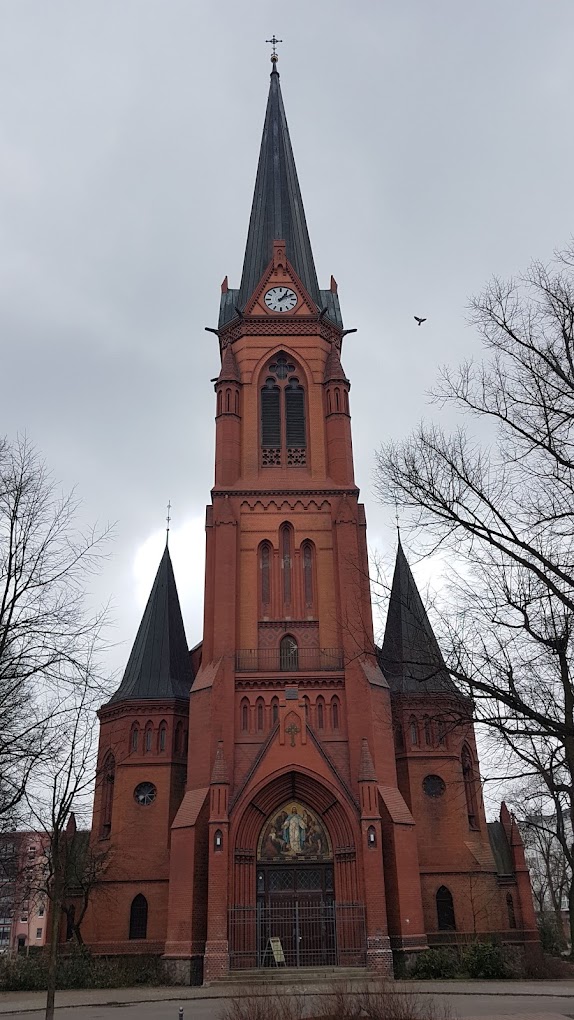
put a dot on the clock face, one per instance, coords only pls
(280, 299)
(144, 793)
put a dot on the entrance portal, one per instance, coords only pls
(296, 905)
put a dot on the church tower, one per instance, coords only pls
(289, 694)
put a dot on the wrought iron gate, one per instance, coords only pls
(312, 934)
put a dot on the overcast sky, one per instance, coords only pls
(434, 147)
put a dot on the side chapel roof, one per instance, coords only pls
(410, 658)
(159, 664)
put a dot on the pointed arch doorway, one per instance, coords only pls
(295, 888)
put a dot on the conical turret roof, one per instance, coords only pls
(410, 657)
(159, 665)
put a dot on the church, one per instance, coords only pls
(286, 791)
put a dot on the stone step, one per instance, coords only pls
(295, 975)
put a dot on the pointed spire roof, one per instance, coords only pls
(367, 772)
(333, 367)
(277, 212)
(159, 665)
(229, 370)
(410, 657)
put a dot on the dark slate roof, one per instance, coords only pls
(277, 212)
(159, 665)
(500, 848)
(410, 657)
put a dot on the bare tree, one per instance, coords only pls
(501, 508)
(46, 632)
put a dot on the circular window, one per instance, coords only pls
(434, 786)
(144, 793)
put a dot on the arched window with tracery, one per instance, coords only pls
(245, 715)
(320, 713)
(286, 539)
(283, 421)
(335, 713)
(138, 917)
(445, 910)
(108, 781)
(469, 786)
(288, 654)
(265, 581)
(260, 714)
(274, 709)
(308, 585)
(413, 731)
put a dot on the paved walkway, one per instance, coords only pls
(497, 1000)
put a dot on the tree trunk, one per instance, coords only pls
(571, 913)
(55, 921)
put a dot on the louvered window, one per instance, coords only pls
(270, 415)
(295, 414)
(283, 426)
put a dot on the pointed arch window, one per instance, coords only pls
(286, 561)
(138, 917)
(134, 738)
(108, 781)
(399, 737)
(414, 731)
(320, 713)
(428, 730)
(283, 421)
(274, 709)
(245, 715)
(265, 568)
(162, 736)
(510, 911)
(260, 712)
(288, 654)
(335, 713)
(148, 738)
(445, 910)
(469, 787)
(308, 585)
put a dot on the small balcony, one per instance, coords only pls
(288, 659)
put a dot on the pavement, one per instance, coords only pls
(471, 1000)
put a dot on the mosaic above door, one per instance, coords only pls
(294, 832)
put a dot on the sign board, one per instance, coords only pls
(276, 948)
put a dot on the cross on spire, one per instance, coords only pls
(168, 519)
(274, 54)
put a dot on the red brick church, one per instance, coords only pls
(286, 779)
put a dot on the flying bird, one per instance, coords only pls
(419, 320)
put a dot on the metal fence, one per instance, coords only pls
(275, 660)
(311, 934)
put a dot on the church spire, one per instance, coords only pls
(277, 213)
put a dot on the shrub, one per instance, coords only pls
(79, 969)
(252, 1005)
(484, 960)
(436, 963)
(551, 934)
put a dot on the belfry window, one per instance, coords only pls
(283, 424)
